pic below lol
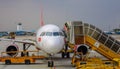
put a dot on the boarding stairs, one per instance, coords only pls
(96, 39)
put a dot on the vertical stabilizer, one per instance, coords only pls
(41, 17)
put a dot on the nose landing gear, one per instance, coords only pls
(50, 62)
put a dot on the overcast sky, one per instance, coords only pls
(104, 14)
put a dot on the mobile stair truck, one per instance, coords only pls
(84, 37)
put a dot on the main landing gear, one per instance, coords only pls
(67, 54)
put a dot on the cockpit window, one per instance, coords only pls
(51, 34)
(55, 33)
(48, 33)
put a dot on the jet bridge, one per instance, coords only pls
(84, 33)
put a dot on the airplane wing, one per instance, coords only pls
(24, 41)
(18, 41)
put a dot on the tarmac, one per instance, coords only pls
(59, 63)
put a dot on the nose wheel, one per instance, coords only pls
(50, 62)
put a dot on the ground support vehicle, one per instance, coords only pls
(83, 38)
(20, 59)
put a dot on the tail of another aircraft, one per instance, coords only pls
(41, 18)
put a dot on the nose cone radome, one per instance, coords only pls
(53, 46)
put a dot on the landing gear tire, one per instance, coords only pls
(7, 62)
(68, 55)
(50, 63)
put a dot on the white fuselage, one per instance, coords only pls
(50, 39)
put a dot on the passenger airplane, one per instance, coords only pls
(49, 39)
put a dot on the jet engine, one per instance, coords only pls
(12, 50)
(83, 49)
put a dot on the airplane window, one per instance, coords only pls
(48, 33)
(42, 34)
(55, 33)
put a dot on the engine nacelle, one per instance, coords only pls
(83, 49)
(10, 50)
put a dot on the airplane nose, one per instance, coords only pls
(54, 45)
(54, 42)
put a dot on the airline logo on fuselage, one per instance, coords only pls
(39, 39)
